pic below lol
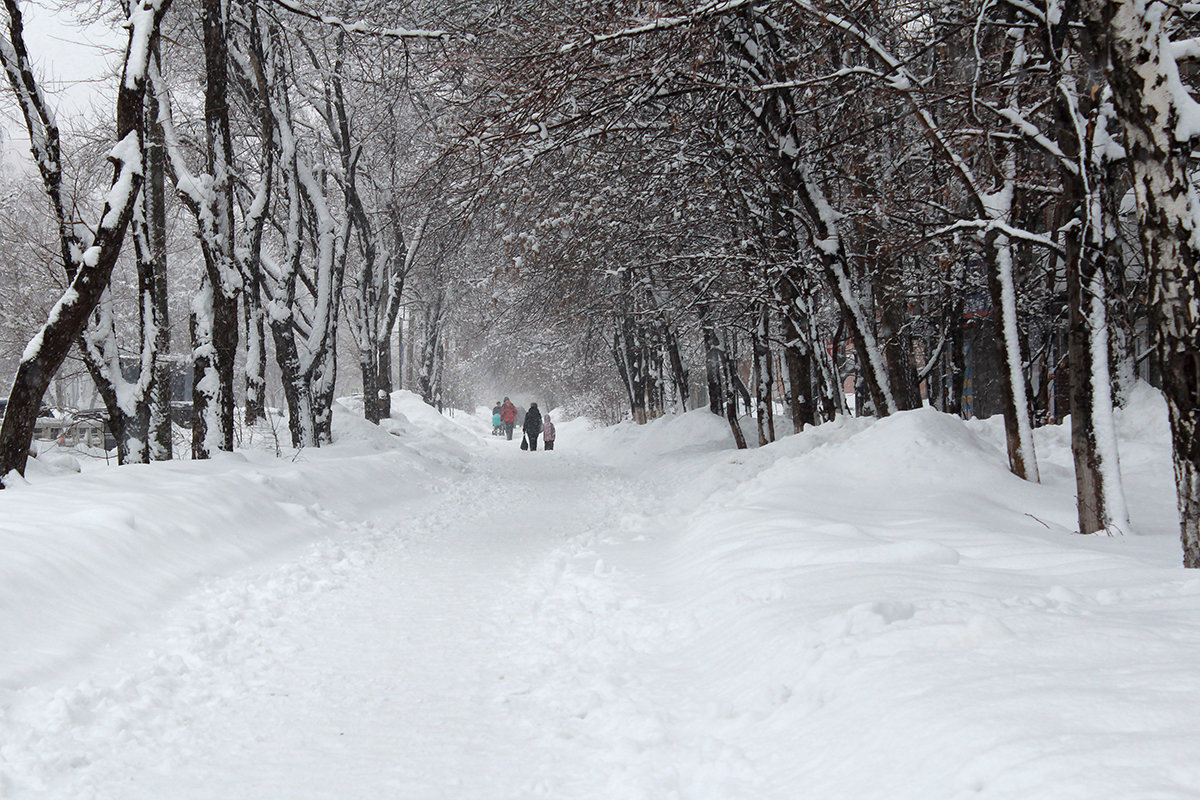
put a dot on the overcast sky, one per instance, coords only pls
(74, 63)
(73, 59)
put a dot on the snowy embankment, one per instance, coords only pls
(881, 609)
(86, 556)
(865, 610)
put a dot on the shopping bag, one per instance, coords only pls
(524, 443)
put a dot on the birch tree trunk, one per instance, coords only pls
(154, 195)
(1160, 121)
(764, 378)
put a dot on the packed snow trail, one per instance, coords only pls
(410, 659)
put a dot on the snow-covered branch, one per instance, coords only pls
(709, 9)
(361, 27)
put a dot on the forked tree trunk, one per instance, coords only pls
(297, 391)
(679, 373)
(88, 278)
(126, 401)
(1100, 498)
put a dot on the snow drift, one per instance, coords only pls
(867, 609)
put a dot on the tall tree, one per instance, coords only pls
(1137, 46)
(88, 258)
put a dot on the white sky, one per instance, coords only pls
(73, 60)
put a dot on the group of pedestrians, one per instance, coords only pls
(507, 417)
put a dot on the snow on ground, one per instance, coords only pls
(865, 610)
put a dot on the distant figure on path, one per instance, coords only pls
(497, 423)
(520, 418)
(533, 425)
(508, 415)
(548, 433)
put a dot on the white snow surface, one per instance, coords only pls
(869, 609)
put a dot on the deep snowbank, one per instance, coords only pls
(887, 612)
(675, 435)
(86, 554)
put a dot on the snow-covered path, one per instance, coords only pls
(868, 609)
(402, 658)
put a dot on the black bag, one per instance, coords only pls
(524, 443)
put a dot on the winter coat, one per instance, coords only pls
(496, 420)
(508, 413)
(548, 431)
(533, 422)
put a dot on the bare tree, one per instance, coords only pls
(87, 257)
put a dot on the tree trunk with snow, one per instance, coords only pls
(256, 366)
(712, 359)
(154, 196)
(731, 416)
(896, 343)
(829, 378)
(215, 309)
(797, 355)
(431, 335)
(324, 368)
(776, 111)
(834, 267)
(1161, 122)
(126, 401)
(1089, 243)
(1018, 428)
(88, 263)
(679, 373)
(764, 378)
(397, 267)
(630, 357)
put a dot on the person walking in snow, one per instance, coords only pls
(533, 425)
(508, 415)
(497, 423)
(548, 433)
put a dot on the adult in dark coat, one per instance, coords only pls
(533, 425)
